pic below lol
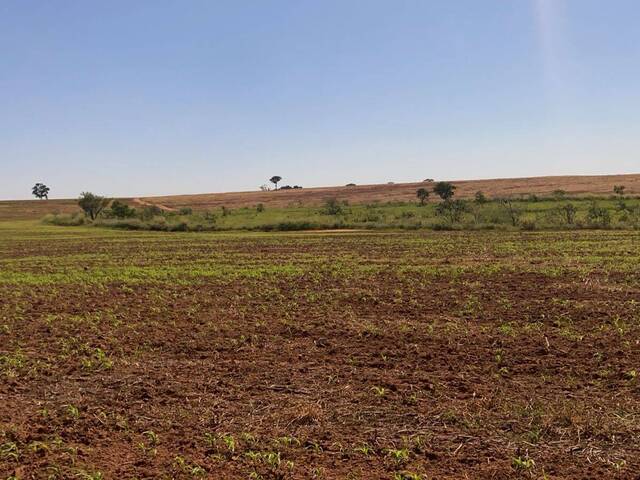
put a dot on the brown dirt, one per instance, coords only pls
(34, 209)
(573, 185)
(465, 372)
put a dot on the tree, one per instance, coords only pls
(40, 190)
(452, 210)
(275, 179)
(92, 205)
(619, 189)
(423, 195)
(598, 216)
(480, 198)
(444, 190)
(512, 211)
(121, 210)
(568, 212)
(332, 207)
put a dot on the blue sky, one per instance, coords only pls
(157, 97)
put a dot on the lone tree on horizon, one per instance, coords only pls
(444, 190)
(40, 191)
(275, 179)
(423, 195)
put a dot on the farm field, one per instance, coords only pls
(576, 185)
(320, 355)
(580, 185)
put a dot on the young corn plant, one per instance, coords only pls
(398, 455)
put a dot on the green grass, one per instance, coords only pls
(543, 214)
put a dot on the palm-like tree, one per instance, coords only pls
(275, 179)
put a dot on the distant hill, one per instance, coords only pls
(503, 187)
(572, 185)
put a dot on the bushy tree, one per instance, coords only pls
(332, 207)
(452, 210)
(445, 190)
(480, 198)
(275, 180)
(598, 216)
(92, 205)
(40, 191)
(121, 210)
(423, 195)
(619, 189)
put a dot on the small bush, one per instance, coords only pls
(452, 210)
(480, 198)
(287, 226)
(150, 212)
(186, 211)
(65, 219)
(598, 216)
(120, 210)
(209, 217)
(333, 207)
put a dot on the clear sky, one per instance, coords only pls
(127, 98)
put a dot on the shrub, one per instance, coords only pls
(287, 226)
(452, 210)
(151, 211)
(568, 213)
(65, 219)
(120, 210)
(559, 194)
(209, 216)
(333, 207)
(186, 211)
(598, 216)
(512, 211)
(260, 208)
(480, 198)
(124, 224)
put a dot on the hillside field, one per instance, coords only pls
(406, 192)
(600, 185)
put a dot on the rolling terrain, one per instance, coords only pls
(577, 185)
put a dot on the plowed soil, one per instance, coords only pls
(334, 356)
